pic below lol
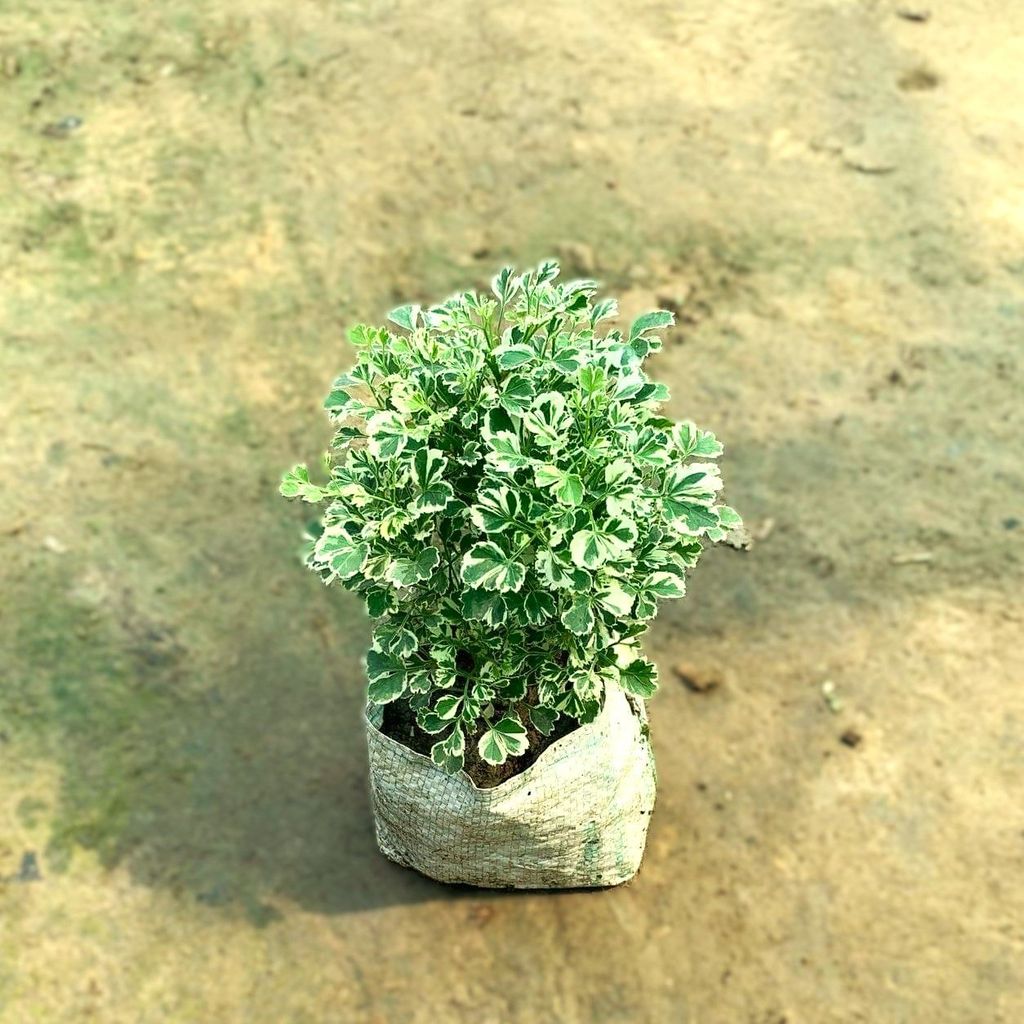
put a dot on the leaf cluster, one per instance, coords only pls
(511, 506)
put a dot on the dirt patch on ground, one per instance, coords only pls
(200, 197)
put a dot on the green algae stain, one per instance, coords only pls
(204, 761)
(81, 695)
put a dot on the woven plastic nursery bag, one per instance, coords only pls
(577, 817)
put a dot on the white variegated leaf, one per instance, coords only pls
(387, 434)
(489, 567)
(548, 420)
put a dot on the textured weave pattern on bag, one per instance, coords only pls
(577, 817)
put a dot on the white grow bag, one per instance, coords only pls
(577, 817)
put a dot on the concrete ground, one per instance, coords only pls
(199, 196)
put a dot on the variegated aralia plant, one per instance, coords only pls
(511, 505)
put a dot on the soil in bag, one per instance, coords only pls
(400, 724)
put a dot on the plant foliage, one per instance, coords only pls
(511, 505)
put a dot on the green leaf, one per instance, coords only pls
(548, 420)
(402, 643)
(498, 508)
(578, 302)
(593, 379)
(610, 541)
(651, 448)
(698, 479)
(338, 398)
(539, 607)
(516, 394)
(405, 316)
(418, 680)
(344, 436)
(427, 560)
(588, 684)
(488, 567)
(570, 490)
(407, 572)
(544, 719)
(511, 356)
(408, 398)
(583, 711)
(578, 618)
(606, 309)
(550, 684)
(342, 555)
(665, 584)
(617, 472)
(362, 335)
(484, 605)
(431, 723)
(623, 530)
(567, 361)
(469, 454)
(448, 707)
(646, 606)
(505, 454)
(296, 484)
(560, 574)
(688, 495)
(708, 446)
(434, 499)
(567, 487)
(691, 518)
(393, 523)
(495, 421)
(640, 678)
(378, 602)
(443, 674)
(546, 271)
(505, 284)
(386, 676)
(387, 434)
(449, 754)
(428, 469)
(691, 440)
(428, 466)
(616, 598)
(506, 738)
(729, 517)
(548, 476)
(629, 386)
(650, 322)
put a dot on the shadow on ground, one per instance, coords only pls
(215, 753)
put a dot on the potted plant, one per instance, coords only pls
(511, 506)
